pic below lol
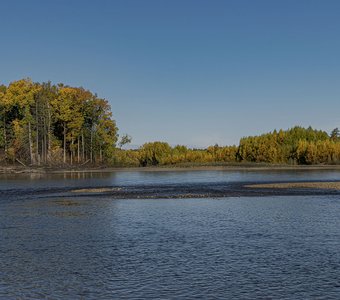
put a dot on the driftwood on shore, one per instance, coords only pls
(20, 162)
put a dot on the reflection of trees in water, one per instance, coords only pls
(62, 175)
(84, 175)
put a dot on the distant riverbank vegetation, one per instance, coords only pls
(59, 125)
(296, 146)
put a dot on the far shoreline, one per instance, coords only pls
(15, 169)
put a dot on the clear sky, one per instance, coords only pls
(187, 72)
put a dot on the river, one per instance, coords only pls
(56, 244)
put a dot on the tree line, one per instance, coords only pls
(48, 124)
(294, 146)
(43, 123)
(297, 145)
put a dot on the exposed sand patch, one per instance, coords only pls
(297, 185)
(67, 203)
(96, 190)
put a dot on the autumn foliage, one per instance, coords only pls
(47, 124)
(293, 146)
(43, 123)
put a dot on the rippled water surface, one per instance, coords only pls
(211, 248)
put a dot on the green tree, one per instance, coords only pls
(154, 153)
(335, 134)
(20, 95)
(124, 140)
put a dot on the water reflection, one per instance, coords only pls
(126, 178)
(246, 248)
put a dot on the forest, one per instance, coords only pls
(295, 146)
(43, 124)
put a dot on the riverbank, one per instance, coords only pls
(298, 185)
(15, 169)
(213, 190)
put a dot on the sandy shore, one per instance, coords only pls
(96, 190)
(298, 185)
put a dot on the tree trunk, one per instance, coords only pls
(37, 133)
(42, 150)
(91, 148)
(48, 146)
(83, 145)
(30, 144)
(71, 150)
(5, 139)
(64, 144)
(100, 154)
(78, 148)
(44, 142)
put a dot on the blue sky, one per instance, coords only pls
(187, 72)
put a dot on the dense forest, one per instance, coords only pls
(59, 125)
(54, 124)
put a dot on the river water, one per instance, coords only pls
(56, 245)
